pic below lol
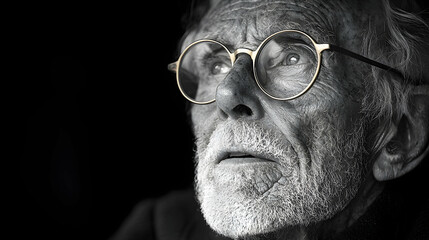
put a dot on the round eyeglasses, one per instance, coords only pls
(285, 66)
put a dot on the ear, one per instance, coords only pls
(408, 143)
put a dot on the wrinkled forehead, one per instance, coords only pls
(248, 22)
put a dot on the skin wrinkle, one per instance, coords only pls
(266, 192)
(320, 20)
(217, 22)
(292, 129)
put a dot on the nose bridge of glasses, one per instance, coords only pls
(245, 51)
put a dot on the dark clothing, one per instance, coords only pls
(177, 217)
(173, 217)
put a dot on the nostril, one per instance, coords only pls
(243, 110)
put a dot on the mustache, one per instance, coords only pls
(243, 136)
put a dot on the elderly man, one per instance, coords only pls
(306, 114)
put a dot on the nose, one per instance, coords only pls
(237, 96)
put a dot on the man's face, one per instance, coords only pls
(264, 164)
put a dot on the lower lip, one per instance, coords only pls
(246, 160)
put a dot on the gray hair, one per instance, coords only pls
(401, 42)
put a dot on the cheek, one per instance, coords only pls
(337, 92)
(204, 118)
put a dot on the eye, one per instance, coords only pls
(287, 58)
(219, 68)
(291, 59)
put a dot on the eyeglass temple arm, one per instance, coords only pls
(364, 59)
(172, 67)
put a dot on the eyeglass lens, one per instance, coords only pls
(284, 67)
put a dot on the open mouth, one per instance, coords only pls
(239, 155)
(242, 157)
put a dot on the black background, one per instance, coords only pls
(100, 122)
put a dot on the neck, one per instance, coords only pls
(366, 196)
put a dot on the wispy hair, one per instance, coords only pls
(401, 41)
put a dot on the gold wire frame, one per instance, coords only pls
(175, 67)
(319, 49)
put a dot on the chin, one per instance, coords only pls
(236, 219)
(234, 205)
(238, 212)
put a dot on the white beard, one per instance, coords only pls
(310, 184)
